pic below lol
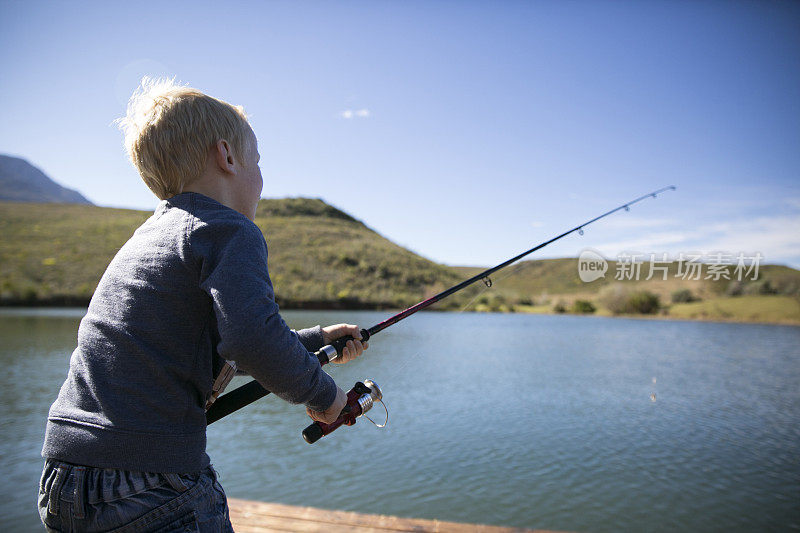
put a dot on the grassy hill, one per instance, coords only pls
(321, 257)
(546, 279)
(553, 285)
(56, 253)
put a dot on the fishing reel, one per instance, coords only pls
(360, 399)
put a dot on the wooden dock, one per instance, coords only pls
(257, 517)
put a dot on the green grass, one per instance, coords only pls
(757, 308)
(55, 252)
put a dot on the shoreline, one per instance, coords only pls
(684, 319)
(76, 304)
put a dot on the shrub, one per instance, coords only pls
(347, 260)
(583, 307)
(790, 288)
(683, 296)
(642, 302)
(613, 297)
(734, 288)
(29, 294)
(560, 308)
(758, 287)
(767, 288)
(493, 303)
(620, 300)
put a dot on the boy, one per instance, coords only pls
(125, 440)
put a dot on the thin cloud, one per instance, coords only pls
(631, 221)
(349, 114)
(775, 237)
(660, 239)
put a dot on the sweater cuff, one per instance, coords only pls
(311, 339)
(326, 397)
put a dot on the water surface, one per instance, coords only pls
(556, 422)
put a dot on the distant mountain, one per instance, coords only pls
(22, 182)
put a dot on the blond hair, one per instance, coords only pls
(169, 129)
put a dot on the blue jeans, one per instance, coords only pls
(83, 498)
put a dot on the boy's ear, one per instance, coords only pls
(223, 155)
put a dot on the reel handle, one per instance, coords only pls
(317, 430)
(359, 400)
(333, 350)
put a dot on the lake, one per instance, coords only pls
(557, 422)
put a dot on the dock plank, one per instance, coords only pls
(259, 517)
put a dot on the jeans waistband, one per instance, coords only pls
(83, 485)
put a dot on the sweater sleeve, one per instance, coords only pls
(311, 338)
(233, 272)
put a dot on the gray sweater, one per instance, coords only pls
(189, 287)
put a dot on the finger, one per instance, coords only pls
(355, 332)
(347, 352)
(359, 349)
(317, 416)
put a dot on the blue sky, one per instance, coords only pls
(465, 131)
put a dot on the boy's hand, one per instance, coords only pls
(329, 415)
(353, 348)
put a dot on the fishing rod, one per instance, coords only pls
(362, 396)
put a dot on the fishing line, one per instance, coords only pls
(492, 283)
(357, 397)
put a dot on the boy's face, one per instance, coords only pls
(250, 182)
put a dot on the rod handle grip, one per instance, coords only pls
(326, 353)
